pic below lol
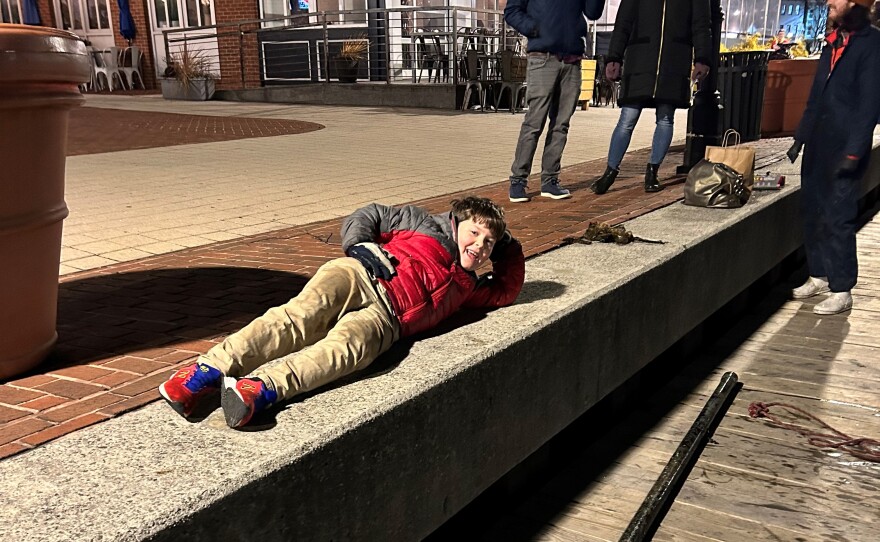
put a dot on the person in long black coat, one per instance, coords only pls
(836, 133)
(655, 43)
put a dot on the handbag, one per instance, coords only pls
(739, 157)
(711, 184)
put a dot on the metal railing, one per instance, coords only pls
(414, 45)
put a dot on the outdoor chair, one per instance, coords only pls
(130, 65)
(475, 79)
(107, 64)
(430, 56)
(513, 79)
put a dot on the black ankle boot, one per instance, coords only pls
(604, 182)
(651, 182)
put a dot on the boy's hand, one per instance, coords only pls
(374, 258)
(501, 246)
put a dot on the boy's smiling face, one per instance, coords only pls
(475, 242)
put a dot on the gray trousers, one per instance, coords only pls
(552, 93)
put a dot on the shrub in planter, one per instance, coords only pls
(347, 62)
(188, 76)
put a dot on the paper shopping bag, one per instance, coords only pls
(740, 158)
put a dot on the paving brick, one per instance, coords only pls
(8, 450)
(43, 403)
(196, 346)
(81, 372)
(79, 408)
(132, 403)
(176, 357)
(31, 381)
(116, 378)
(70, 389)
(15, 396)
(139, 386)
(8, 414)
(136, 365)
(19, 429)
(54, 432)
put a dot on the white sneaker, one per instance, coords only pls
(813, 286)
(836, 303)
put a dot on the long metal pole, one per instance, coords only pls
(643, 523)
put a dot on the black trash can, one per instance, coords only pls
(741, 79)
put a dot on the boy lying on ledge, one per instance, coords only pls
(406, 271)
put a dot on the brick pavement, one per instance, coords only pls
(95, 130)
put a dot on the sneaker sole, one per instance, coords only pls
(178, 407)
(555, 196)
(519, 200)
(813, 294)
(235, 410)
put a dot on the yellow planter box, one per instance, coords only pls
(588, 81)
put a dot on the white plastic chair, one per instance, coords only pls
(107, 63)
(131, 65)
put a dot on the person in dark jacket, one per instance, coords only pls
(556, 30)
(655, 44)
(406, 271)
(836, 133)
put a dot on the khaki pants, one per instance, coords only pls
(338, 314)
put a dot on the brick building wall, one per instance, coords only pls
(237, 43)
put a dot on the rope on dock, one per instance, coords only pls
(862, 448)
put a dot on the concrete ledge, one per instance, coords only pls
(439, 96)
(395, 453)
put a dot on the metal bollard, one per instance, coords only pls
(40, 70)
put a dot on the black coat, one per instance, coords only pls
(657, 42)
(843, 108)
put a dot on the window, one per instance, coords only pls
(83, 15)
(182, 13)
(797, 9)
(10, 11)
(790, 9)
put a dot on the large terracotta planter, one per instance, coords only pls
(785, 95)
(40, 69)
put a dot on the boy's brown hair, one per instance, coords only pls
(482, 211)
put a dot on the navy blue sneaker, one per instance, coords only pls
(553, 190)
(518, 192)
(243, 398)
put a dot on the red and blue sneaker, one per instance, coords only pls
(243, 398)
(189, 385)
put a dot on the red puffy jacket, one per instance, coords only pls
(429, 284)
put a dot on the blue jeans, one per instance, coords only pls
(552, 93)
(622, 134)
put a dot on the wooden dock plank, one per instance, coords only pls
(753, 481)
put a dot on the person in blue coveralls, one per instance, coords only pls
(836, 135)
